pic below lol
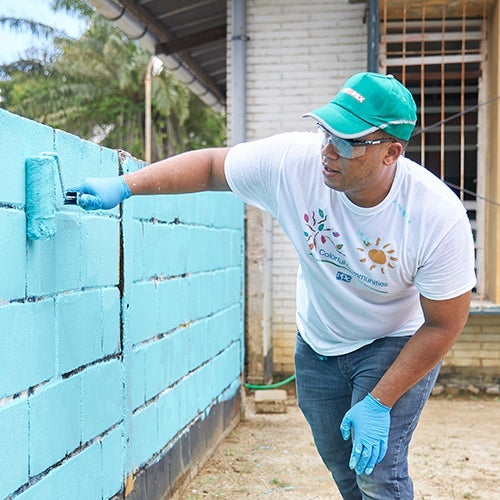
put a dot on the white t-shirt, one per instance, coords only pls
(361, 269)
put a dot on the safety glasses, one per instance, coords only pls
(348, 148)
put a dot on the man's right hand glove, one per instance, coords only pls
(101, 193)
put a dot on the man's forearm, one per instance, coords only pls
(444, 323)
(191, 172)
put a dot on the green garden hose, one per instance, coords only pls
(271, 386)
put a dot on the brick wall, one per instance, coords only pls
(298, 56)
(121, 336)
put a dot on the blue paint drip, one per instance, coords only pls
(41, 196)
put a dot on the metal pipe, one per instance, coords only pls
(136, 30)
(372, 38)
(238, 71)
(147, 111)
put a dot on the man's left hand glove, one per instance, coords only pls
(370, 421)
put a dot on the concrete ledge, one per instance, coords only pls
(270, 401)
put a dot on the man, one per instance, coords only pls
(386, 268)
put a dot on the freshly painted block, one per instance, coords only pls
(46, 487)
(79, 329)
(172, 302)
(21, 138)
(168, 416)
(55, 264)
(143, 313)
(143, 436)
(27, 335)
(81, 475)
(111, 318)
(13, 253)
(13, 445)
(136, 381)
(100, 251)
(112, 462)
(102, 398)
(78, 158)
(54, 422)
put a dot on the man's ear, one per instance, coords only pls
(392, 153)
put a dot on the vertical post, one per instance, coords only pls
(373, 20)
(238, 71)
(147, 113)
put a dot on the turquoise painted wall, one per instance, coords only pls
(118, 334)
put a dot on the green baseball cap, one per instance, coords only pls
(367, 102)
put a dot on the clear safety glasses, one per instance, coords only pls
(348, 148)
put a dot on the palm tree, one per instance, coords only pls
(94, 87)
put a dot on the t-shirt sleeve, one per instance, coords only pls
(448, 271)
(252, 171)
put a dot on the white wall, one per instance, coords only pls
(298, 55)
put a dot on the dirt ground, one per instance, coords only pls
(454, 455)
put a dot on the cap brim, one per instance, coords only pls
(341, 122)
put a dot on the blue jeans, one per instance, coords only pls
(328, 386)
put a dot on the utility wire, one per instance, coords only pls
(450, 118)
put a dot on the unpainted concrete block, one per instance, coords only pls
(270, 401)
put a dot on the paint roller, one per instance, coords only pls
(42, 171)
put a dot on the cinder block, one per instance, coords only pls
(45, 488)
(172, 302)
(100, 249)
(110, 321)
(143, 436)
(81, 475)
(137, 379)
(55, 264)
(143, 313)
(178, 357)
(13, 446)
(109, 162)
(168, 416)
(21, 138)
(270, 401)
(112, 462)
(159, 240)
(13, 254)
(27, 334)
(79, 328)
(135, 244)
(197, 344)
(102, 397)
(67, 264)
(158, 364)
(78, 158)
(54, 421)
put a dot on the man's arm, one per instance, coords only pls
(190, 172)
(368, 421)
(443, 323)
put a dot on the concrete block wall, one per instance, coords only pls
(121, 336)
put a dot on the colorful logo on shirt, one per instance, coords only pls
(378, 256)
(325, 246)
(317, 231)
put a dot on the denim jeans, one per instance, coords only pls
(328, 386)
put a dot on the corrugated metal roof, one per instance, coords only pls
(188, 35)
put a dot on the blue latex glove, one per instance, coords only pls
(101, 193)
(369, 422)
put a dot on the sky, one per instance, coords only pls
(14, 44)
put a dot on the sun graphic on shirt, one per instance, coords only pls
(378, 255)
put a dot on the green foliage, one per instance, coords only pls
(94, 87)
